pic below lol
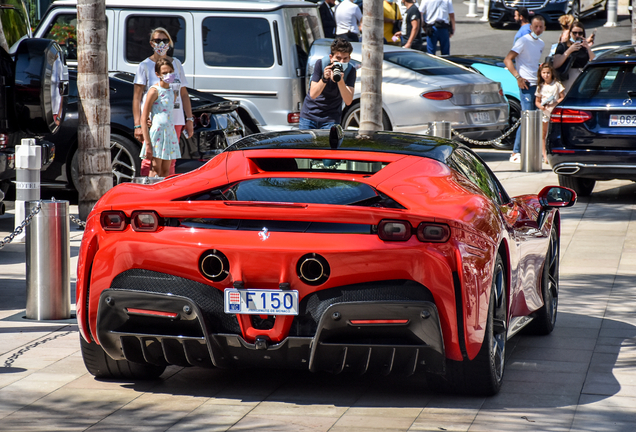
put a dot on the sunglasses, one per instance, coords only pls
(161, 40)
(578, 33)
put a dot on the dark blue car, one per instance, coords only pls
(592, 133)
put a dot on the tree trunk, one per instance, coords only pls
(372, 58)
(95, 173)
(633, 24)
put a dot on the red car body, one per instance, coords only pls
(406, 279)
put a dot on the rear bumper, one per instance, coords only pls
(196, 332)
(594, 164)
(597, 171)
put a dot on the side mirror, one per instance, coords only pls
(557, 196)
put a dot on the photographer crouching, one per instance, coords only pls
(330, 86)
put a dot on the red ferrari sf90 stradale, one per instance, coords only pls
(321, 250)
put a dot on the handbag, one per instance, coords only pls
(564, 69)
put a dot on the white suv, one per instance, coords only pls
(252, 51)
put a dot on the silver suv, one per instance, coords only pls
(252, 51)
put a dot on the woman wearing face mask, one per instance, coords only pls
(145, 78)
(572, 56)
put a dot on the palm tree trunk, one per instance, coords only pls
(95, 173)
(372, 58)
(633, 24)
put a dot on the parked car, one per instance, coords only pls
(493, 67)
(591, 135)
(251, 51)
(502, 11)
(321, 250)
(604, 47)
(418, 88)
(216, 126)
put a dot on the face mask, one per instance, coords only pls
(168, 78)
(345, 65)
(161, 48)
(534, 35)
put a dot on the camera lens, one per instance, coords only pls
(337, 72)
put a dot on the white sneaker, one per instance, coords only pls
(515, 158)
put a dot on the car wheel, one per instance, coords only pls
(125, 161)
(496, 25)
(101, 365)
(351, 118)
(514, 114)
(545, 319)
(582, 186)
(484, 374)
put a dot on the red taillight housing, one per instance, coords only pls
(144, 221)
(4, 140)
(394, 230)
(437, 95)
(113, 220)
(293, 117)
(565, 115)
(433, 232)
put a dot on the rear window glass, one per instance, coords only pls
(63, 30)
(14, 23)
(605, 82)
(306, 31)
(237, 42)
(424, 63)
(304, 164)
(138, 28)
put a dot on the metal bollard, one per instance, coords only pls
(486, 11)
(28, 163)
(612, 13)
(48, 256)
(472, 9)
(440, 129)
(531, 141)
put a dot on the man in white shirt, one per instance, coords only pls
(439, 17)
(348, 21)
(526, 52)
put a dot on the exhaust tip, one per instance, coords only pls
(567, 169)
(214, 265)
(313, 269)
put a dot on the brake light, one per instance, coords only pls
(394, 230)
(437, 95)
(565, 115)
(144, 221)
(113, 220)
(433, 233)
(293, 117)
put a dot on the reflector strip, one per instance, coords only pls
(152, 312)
(362, 322)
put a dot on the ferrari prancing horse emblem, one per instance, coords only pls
(264, 234)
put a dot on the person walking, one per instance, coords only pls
(571, 57)
(438, 16)
(161, 144)
(526, 51)
(327, 18)
(392, 22)
(550, 92)
(348, 21)
(522, 16)
(413, 18)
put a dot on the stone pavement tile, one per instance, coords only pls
(384, 412)
(513, 387)
(541, 377)
(290, 409)
(599, 414)
(375, 422)
(109, 427)
(38, 423)
(610, 384)
(544, 365)
(160, 419)
(165, 402)
(550, 342)
(362, 429)
(320, 389)
(555, 355)
(284, 423)
(531, 420)
(453, 422)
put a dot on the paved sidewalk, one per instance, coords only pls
(580, 378)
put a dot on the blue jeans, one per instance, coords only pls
(526, 97)
(443, 36)
(304, 123)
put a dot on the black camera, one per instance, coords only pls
(337, 71)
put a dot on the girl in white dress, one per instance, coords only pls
(549, 93)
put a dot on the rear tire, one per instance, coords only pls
(101, 365)
(483, 375)
(351, 119)
(582, 186)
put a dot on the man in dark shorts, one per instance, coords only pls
(413, 18)
(322, 107)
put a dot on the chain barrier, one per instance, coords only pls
(20, 228)
(77, 221)
(492, 141)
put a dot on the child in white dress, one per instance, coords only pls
(549, 93)
(164, 144)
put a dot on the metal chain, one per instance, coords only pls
(20, 228)
(79, 222)
(492, 141)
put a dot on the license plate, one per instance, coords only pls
(622, 120)
(261, 302)
(481, 117)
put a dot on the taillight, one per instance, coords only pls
(203, 120)
(4, 140)
(144, 221)
(500, 92)
(293, 117)
(565, 115)
(437, 95)
(394, 230)
(433, 233)
(113, 220)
